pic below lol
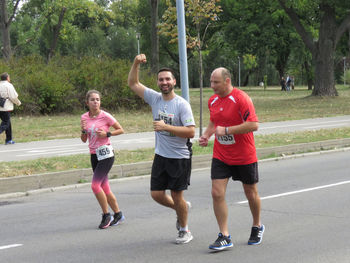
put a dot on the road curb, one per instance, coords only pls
(29, 184)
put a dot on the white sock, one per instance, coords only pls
(184, 228)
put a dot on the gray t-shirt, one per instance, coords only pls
(176, 112)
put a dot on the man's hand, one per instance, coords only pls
(159, 125)
(140, 59)
(220, 131)
(133, 78)
(203, 141)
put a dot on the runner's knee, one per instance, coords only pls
(157, 195)
(217, 194)
(106, 188)
(177, 196)
(96, 187)
(251, 192)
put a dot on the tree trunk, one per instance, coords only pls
(308, 75)
(5, 31)
(154, 36)
(246, 80)
(324, 49)
(282, 60)
(56, 34)
(324, 55)
(280, 68)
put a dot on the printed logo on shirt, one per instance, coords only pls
(188, 121)
(93, 130)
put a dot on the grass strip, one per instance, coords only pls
(79, 161)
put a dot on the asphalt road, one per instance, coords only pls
(132, 141)
(305, 208)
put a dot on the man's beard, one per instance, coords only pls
(169, 89)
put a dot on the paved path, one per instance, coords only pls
(305, 208)
(132, 141)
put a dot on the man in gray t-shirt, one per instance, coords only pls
(176, 112)
(174, 126)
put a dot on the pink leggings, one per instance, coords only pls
(100, 177)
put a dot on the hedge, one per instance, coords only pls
(61, 85)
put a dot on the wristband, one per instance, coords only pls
(109, 134)
(226, 130)
(83, 132)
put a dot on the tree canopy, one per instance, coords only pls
(308, 39)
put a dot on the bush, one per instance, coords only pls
(61, 85)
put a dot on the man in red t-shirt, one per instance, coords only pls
(232, 120)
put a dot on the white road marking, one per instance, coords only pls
(54, 152)
(299, 191)
(11, 246)
(324, 126)
(302, 124)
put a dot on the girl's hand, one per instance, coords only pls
(83, 125)
(101, 133)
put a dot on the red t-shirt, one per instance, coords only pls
(234, 109)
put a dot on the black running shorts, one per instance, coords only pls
(247, 174)
(169, 173)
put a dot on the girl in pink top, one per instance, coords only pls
(95, 125)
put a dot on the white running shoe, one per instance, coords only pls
(184, 237)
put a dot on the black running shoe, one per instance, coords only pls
(106, 221)
(222, 242)
(256, 235)
(118, 218)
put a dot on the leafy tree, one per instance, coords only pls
(261, 29)
(201, 13)
(320, 24)
(154, 36)
(57, 25)
(121, 34)
(5, 23)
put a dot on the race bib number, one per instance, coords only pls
(226, 139)
(168, 118)
(104, 152)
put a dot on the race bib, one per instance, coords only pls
(226, 139)
(104, 152)
(168, 118)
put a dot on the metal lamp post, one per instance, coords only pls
(344, 59)
(138, 42)
(239, 71)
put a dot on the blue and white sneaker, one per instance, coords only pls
(221, 243)
(256, 235)
(9, 142)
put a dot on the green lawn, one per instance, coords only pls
(271, 105)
